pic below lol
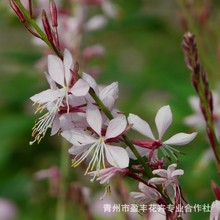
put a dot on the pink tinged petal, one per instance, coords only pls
(160, 172)
(110, 90)
(78, 137)
(163, 120)
(180, 139)
(96, 22)
(55, 126)
(80, 88)
(56, 69)
(48, 95)
(140, 126)
(75, 150)
(215, 210)
(90, 81)
(117, 156)
(94, 118)
(194, 102)
(157, 180)
(142, 151)
(52, 84)
(68, 65)
(116, 127)
(178, 172)
(109, 102)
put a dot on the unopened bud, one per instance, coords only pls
(216, 190)
(17, 10)
(53, 13)
(47, 26)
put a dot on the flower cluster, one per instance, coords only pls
(85, 114)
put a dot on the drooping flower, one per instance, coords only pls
(62, 82)
(97, 145)
(167, 177)
(163, 120)
(147, 195)
(215, 210)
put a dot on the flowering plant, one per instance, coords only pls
(85, 113)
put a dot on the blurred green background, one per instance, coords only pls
(144, 55)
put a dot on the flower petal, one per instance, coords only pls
(142, 151)
(94, 118)
(140, 126)
(157, 180)
(180, 139)
(110, 90)
(163, 120)
(116, 127)
(75, 150)
(80, 88)
(56, 69)
(90, 81)
(68, 65)
(78, 137)
(178, 172)
(117, 156)
(160, 172)
(48, 95)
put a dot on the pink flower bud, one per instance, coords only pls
(47, 26)
(53, 13)
(17, 10)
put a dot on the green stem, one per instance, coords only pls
(64, 169)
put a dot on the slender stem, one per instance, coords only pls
(64, 169)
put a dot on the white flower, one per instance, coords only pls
(147, 195)
(215, 210)
(60, 75)
(163, 120)
(167, 177)
(84, 143)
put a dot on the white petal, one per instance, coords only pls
(68, 65)
(140, 126)
(74, 150)
(163, 120)
(110, 90)
(117, 156)
(215, 213)
(56, 69)
(56, 126)
(157, 180)
(194, 102)
(48, 95)
(94, 118)
(116, 127)
(78, 137)
(160, 172)
(180, 139)
(52, 84)
(90, 81)
(96, 22)
(142, 151)
(80, 88)
(109, 102)
(178, 172)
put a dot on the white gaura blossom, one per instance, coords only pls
(163, 120)
(168, 178)
(85, 144)
(63, 82)
(146, 196)
(215, 210)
